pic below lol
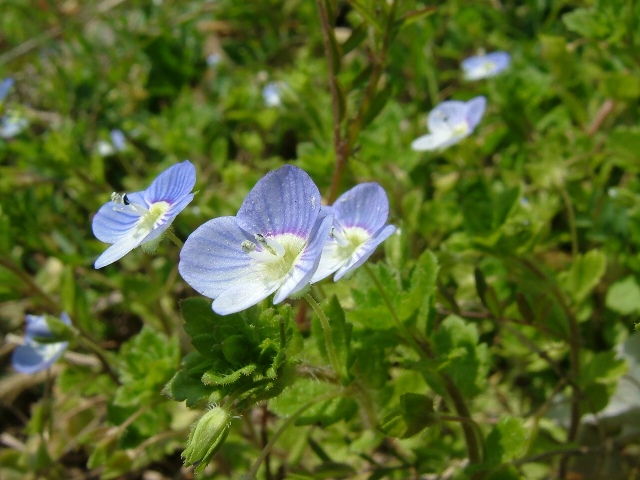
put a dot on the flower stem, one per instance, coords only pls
(172, 236)
(404, 331)
(328, 338)
(267, 448)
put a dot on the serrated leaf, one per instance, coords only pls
(506, 441)
(460, 356)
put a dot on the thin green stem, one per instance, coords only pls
(404, 331)
(172, 236)
(278, 433)
(328, 338)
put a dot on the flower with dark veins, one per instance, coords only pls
(272, 245)
(141, 218)
(359, 226)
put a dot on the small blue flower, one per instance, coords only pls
(485, 65)
(272, 245)
(137, 218)
(271, 95)
(359, 226)
(118, 140)
(12, 124)
(32, 356)
(117, 144)
(213, 60)
(5, 87)
(450, 122)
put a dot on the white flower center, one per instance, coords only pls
(274, 256)
(349, 239)
(149, 219)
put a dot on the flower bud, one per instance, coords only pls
(206, 437)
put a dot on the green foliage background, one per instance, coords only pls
(491, 337)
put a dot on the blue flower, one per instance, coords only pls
(118, 139)
(32, 356)
(213, 60)
(138, 218)
(5, 87)
(118, 143)
(272, 245)
(450, 122)
(359, 226)
(485, 65)
(12, 124)
(271, 95)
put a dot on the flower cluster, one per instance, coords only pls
(281, 240)
(33, 356)
(452, 120)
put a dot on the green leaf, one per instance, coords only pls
(358, 35)
(623, 296)
(585, 274)
(506, 441)
(147, 362)
(460, 356)
(587, 22)
(621, 86)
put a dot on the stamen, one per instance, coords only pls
(271, 245)
(248, 246)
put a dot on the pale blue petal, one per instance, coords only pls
(5, 87)
(121, 248)
(173, 184)
(111, 225)
(302, 272)
(365, 206)
(283, 201)
(212, 260)
(363, 253)
(500, 59)
(118, 140)
(475, 109)
(446, 115)
(33, 356)
(242, 296)
(433, 141)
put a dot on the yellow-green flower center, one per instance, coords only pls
(154, 217)
(349, 240)
(277, 256)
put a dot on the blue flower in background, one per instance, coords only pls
(137, 218)
(118, 144)
(32, 356)
(359, 226)
(5, 87)
(213, 60)
(450, 122)
(12, 124)
(485, 65)
(118, 140)
(272, 245)
(271, 95)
